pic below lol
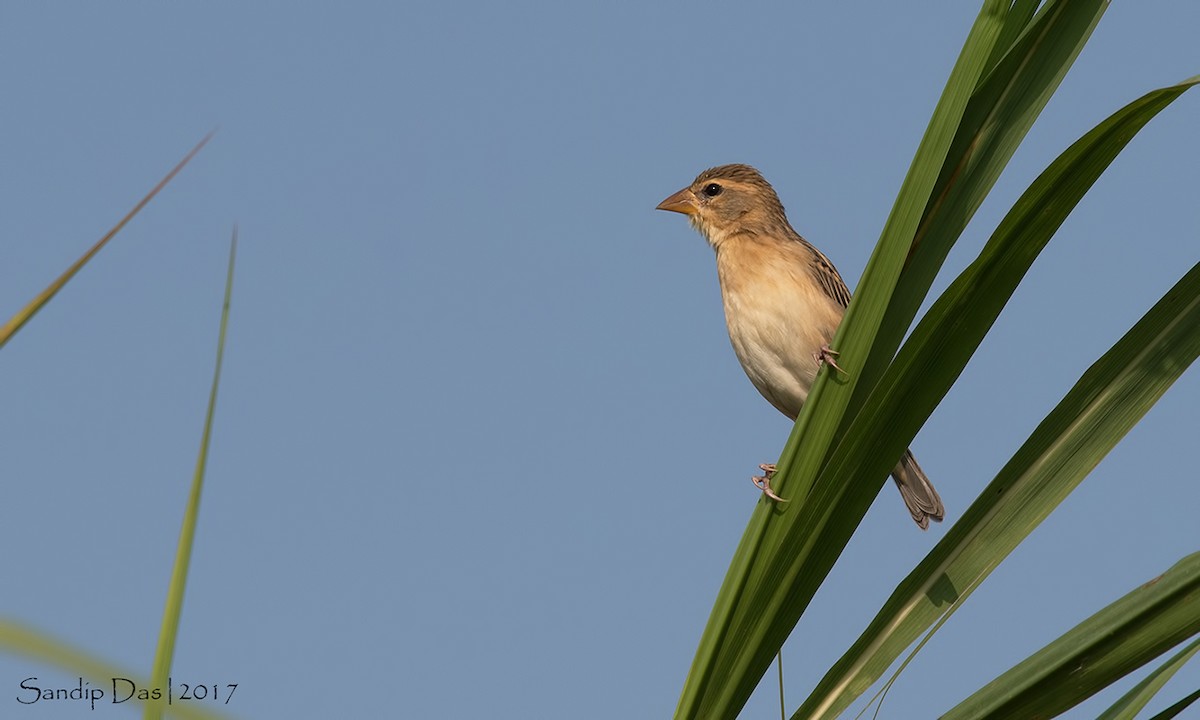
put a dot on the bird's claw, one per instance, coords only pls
(764, 482)
(829, 357)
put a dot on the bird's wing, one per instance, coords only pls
(827, 276)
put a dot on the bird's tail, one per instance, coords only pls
(918, 493)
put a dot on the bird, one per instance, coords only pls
(783, 301)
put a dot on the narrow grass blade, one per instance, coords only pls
(747, 626)
(183, 555)
(924, 371)
(1132, 702)
(16, 322)
(1178, 707)
(21, 640)
(1102, 649)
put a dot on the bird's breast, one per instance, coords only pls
(778, 318)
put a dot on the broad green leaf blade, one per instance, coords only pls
(1102, 649)
(748, 623)
(1133, 701)
(923, 372)
(187, 533)
(26, 313)
(1178, 707)
(21, 640)
(1001, 111)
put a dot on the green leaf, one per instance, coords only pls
(21, 640)
(16, 322)
(929, 364)
(1001, 111)
(187, 533)
(1178, 707)
(1102, 649)
(1133, 701)
(749, 622)
(1019, 15)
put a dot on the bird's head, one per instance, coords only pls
(729, 200)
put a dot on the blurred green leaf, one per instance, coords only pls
(26, 313)
(187, 533)
(21, 640)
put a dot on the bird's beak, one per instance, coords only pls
(681, 202)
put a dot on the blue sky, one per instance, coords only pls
(482, 446)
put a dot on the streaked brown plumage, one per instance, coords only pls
(783, 299)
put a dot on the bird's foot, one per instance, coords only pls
(828, 356)
(764, 482)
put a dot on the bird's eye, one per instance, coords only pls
(712, 190)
